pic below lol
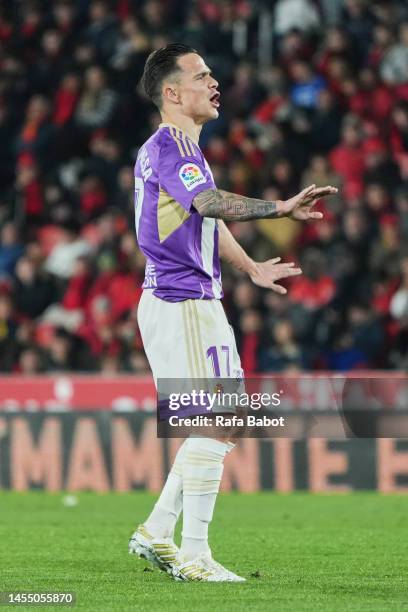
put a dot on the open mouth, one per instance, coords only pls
(215, 99)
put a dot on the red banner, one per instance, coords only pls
(49, 439)
(66, 393)
(132, 393)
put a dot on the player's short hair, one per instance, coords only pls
(159, 65)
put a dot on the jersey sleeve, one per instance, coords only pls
(182, 171)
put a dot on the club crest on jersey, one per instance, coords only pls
(191, 176)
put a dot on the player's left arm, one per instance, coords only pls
(263, 274)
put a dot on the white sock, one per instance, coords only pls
(197, 515)
(202, 472)
(163, 518)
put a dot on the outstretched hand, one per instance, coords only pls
(300, 206)
(267, 272)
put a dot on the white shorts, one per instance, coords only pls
(187, 340)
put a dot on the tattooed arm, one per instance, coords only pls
(223, 205)
(220, 204)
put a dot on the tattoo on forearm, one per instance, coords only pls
(220, 204)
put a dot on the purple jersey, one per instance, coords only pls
(180, 246)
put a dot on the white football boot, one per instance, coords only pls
(162, 552)
(204, 569)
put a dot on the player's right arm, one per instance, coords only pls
(220, 204)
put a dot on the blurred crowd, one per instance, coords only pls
(322, 99)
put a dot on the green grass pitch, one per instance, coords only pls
(298, 551)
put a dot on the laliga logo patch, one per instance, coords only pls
(191, 176)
